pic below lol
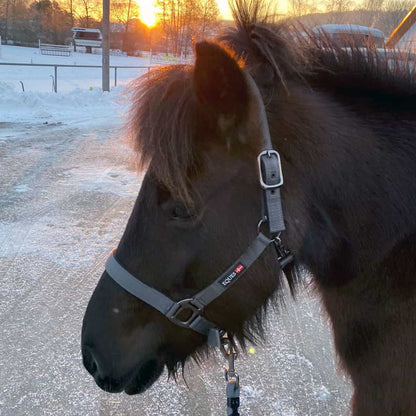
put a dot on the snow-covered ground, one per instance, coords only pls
(67, 187)
(40, 79)
(79, 98)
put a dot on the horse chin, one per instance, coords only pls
(148, 373)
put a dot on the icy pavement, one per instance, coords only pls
(66, 191)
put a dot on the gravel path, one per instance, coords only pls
(65, 195)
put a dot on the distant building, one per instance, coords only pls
(345, 34)
(404, 36)
(89, 38)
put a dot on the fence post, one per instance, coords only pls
(105, 46)
(115, 76)
(56, 78)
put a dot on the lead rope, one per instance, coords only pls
(231, 376)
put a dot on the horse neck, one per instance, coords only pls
(341, 209)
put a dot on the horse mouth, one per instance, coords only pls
(148, 373)
(135, 383)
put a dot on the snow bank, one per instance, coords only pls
(26, 91)
(86, 107)
(42, 78)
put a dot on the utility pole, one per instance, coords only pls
(106, 46)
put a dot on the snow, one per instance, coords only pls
(79, 99)
(87, 107)
(40, 78)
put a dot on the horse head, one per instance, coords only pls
(199, 129)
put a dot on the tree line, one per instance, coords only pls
(180, 23)
(25, 22)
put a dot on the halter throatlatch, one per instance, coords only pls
(188, 313)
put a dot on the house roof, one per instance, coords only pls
(402, 28)
(347, 29)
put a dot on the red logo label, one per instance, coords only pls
(239, 268)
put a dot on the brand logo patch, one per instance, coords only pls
(228, 279)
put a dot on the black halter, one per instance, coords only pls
(188, 313)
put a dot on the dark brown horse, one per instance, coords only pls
(344, 123)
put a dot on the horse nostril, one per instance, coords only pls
(89, 362)
(93, 367)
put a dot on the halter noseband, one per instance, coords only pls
(191, 309)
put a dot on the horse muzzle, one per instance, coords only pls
(110, 379)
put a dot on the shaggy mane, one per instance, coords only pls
(164, 115)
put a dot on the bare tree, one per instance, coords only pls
(13, 11)
(88, 12)
(122, 11)
(186, 20)
(339, 6)
(301, 7)
(372, 4)
(394, 12)
(50, 21)
(207, 17)
(384, 14)
(69, 6)
(4, 22)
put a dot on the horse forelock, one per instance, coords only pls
(162, 126)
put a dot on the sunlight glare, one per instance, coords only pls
(147, 12)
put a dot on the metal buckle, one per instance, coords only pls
(183, 305)
(269, 153)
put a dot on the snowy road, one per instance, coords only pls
(65, 195)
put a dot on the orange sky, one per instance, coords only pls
(147, 9)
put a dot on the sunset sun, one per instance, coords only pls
(147, 12)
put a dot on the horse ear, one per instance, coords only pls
(219, 81)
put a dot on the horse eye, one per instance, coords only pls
(180, 212)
